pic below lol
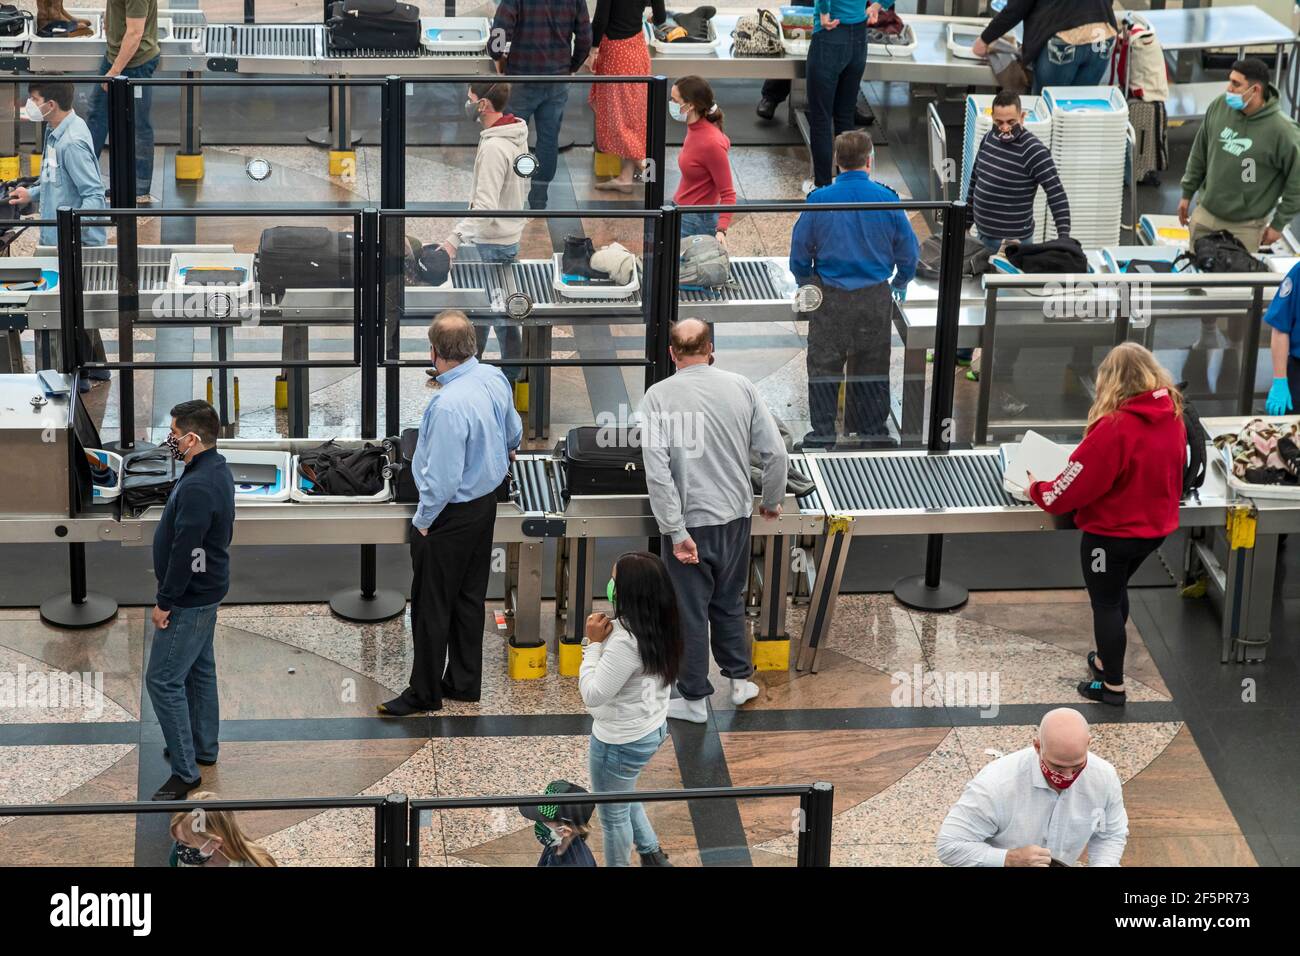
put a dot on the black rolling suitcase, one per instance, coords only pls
(303, 257)
(373, 25)
(604, 461)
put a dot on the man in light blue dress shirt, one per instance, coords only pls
(69, 177)
(468, 437)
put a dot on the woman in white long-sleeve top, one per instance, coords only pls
(629, 664)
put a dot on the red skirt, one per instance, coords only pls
(620, 108)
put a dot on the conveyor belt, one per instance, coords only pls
(532, 476)
(102, 276)
(875, 482)
(752, 280)
(813, 500)
(269, 40)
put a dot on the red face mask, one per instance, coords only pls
(1059, 780)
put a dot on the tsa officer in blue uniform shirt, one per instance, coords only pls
(1283, 316)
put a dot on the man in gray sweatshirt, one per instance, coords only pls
(698, 431)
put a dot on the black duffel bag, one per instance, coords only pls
(373, 25)
(603, 461)
(333, 470)
(399, 470)
(303, 257)
(148, 478)
(1221, 251)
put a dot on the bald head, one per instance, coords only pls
(692, 342)
(1063, 738)
(451, 337)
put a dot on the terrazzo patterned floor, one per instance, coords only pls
(298, 689)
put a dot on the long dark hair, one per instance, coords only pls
(695, 91)
(647, 607)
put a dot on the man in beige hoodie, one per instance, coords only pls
(497, 185)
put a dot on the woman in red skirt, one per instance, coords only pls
(618, 48)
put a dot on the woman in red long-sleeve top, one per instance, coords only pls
(704, 161)
(1124, 484)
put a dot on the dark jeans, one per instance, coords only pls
(509, 337)
(450, 567)
(544, 104)
(97, 120)
(1293, 379)
(699, 224)
(711, 602)
(850, 330)
(1108, 563)
(778, 91)
(1065, 64)
(181, 678)
(836, 61)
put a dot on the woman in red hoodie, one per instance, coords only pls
(704, 161)
(1124, 483)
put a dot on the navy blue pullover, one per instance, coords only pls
(191, 547)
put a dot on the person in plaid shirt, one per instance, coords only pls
(545, 38)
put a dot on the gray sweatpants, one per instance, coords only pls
(711, 603)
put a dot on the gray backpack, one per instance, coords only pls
(705, 264)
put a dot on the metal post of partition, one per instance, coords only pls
(392, 195)
(79, 608)
(394, 829)
(929, 592)
(816, 811)
(121, 183)
(368, 604)
(250, 11)
(657, 147)
(1250, 352)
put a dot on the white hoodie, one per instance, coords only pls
(496, 186)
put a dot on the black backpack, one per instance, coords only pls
(12, 20)
(373, 25)
(1197, 462)
(399, 470)
(358, 472)
(974, 258)
(1221, 251)
(303, 257)
(148, 478)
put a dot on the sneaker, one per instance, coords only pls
(766, 108)
(1097, 673)
(743, 691)
(696, 711)
(972, 375)
(145, 200)
(175, 788)
(1097, 691)
(657, 858)
(807, 186)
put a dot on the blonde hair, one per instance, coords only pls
(1127, 371)
(235, 845)
(577, 831)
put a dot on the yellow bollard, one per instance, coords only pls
(343, 162)
(607, 164)
(570, 656)
(34, 163)
(11, 167)
(281, 392)
(521, 397)
(527, 663)
(772, 653)
(189, 168)
(236, 391)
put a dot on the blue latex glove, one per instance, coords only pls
(1279, 397)
(900, 295)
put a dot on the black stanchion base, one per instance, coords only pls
(325, 136)
(62, 612)
(915, 594)
(351, 605)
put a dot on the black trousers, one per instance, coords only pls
(850, 331)
(1108, 564)
(450, 566)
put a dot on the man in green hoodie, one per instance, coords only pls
(1245, 162)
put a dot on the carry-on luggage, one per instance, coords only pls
(334, 471)
(402, 450)
(373, 25)
(603, 461)
(1151, 153)
(303, 257)
(148, 478)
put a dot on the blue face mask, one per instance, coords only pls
(1235, 100)
(675, 111)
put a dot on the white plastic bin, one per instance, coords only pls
(297, 492)
(591, 292)
(106, 493)
(263, 494)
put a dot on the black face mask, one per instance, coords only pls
(1008, 135)
(192, 855)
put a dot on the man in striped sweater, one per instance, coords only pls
(1010, 166)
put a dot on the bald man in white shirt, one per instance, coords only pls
(1047, 802)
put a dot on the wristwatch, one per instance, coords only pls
(585, 641)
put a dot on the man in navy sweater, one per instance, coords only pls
(191, 560)
(852, 255)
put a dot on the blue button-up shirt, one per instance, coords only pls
(854, 249)
(69, 177)
(466, 436)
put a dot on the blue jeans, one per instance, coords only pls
(699, 224)
(182, 681)
(614, 768)
(1065, 64)
(509, 337)
(836, 61)
(543, 103)
(98, 123)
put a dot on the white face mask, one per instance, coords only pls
(32, 112)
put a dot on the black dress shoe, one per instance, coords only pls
(167, 755)
(399, 707)
(175, 788)
(450, 693)
(766, 108)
